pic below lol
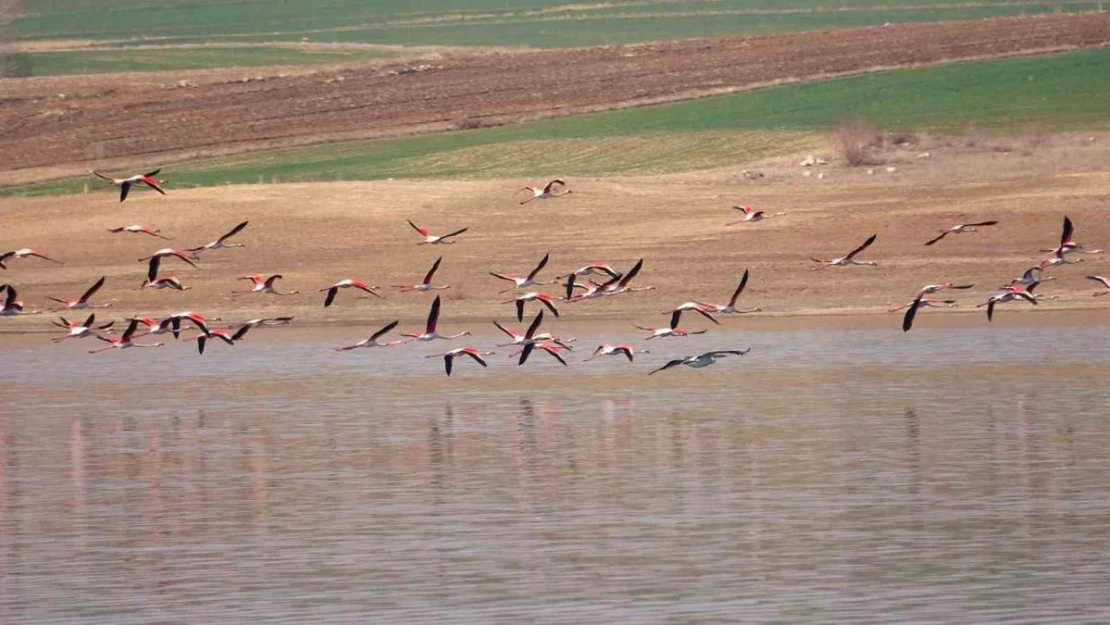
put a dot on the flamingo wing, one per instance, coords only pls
(126, 336)
(547, 302)
(554, 353)
(240, 333)
(739, 288)
(549, 187)
(525, 352)
(539, 267)
(476, 356)
(706, 314)
(866, 244)
(1104, 281)
(1069, 230)
(993, 222)
(124, 189)
(385, 329)
(448, 362)
(234, 231)
(433, 317)
(632, 272)
(670, 364)
(153, 184)
(675, 317)
(520, 310)
(331, 296)
(93, 289)
(102, 176)
(535, 326)
(417, 228)
(432, 271)
(990, 308)
(152, 270)
(911, 312)
(508, 332)
(270, 281)
(937, 238)
(90, 321)
(570, 285)
(152, 173)
(452, 234)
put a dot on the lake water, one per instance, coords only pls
(955, 476)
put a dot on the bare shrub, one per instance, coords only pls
(855, 141)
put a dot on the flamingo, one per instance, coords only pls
(153, 281)
(264, 285)
(750, 214)
(730, 308)
(593, 291)
(347, 284)
(1011, 293)
(702, 360)
(919, 302)
(24, 253)
(926, 302)
(526, 281)
(14, 307)
(606, 349)
(959, 229)
(1058, 258)
(223, 335)
(1103, 281)
(220, 243)
(140, 229)
(157, 327)
(671, 330)
(1028, 278)
(592, 269)
(555, 188)
(272, 322)
(543, 347)
(125, 184)
(449, 357)
(83, 301)
(702, 310)
(533, 296)
(373, 340)
(167, 251)
(1067, 242)
(431, 239)
(430, 333)
(197, 320)
(622, 285)
(518, 339)
(79, 331)
(124, 341)
(425, 284)
(850, 258)
(930, 289)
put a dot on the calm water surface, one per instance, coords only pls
(957, 476)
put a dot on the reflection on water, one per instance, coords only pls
(863, 477)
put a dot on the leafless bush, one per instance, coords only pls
(855, 141)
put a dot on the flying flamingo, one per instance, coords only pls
(24, 253)
(593, 291)
(701, 360)
(14, 307)
(195, 318)
(272, 322)
(79, 331)
(1029, 277)
(925, 302)
(702, 310)
(347, 284)
(930, 289)
(430, 333)
(555, 188)
(518, 338)
(1058, 258)
(425, 284)
(1067, 242)
(730, 308)
(153, 281)
(83, 301)
(373, 340)
(166, 251)
(959, 229)
(750, 214)
(919, 302)
(622, 285)
(125, 184)
(606, 349)
(543, 347)
(220, 243)
(263, 285)
(124, 341)
(449, 357)
(850, 258)
(431, 239)
(1103, 281)
(223, 335)
(139, 229)
(157, 327)
(526, 281)
(533, 296)
(671, 330)
(1011, 293)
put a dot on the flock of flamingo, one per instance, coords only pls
(610, 283)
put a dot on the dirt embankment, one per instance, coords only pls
(111, 122)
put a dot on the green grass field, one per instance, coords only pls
(732, 130)
(486, 22)
(152, 60)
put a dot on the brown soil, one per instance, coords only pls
(316, 234)
(118, 120)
